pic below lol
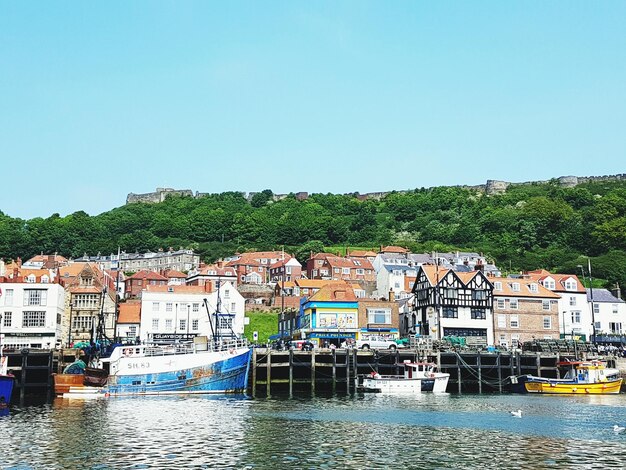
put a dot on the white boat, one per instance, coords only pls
(418, 377)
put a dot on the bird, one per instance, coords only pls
(617, 428)
(516, 414)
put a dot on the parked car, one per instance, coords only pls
(377, 342)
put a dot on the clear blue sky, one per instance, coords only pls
(99, 99)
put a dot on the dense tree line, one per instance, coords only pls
(529, 226)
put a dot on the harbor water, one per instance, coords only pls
(361, 431)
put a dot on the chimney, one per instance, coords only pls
(616, 291)
(392, 295)
(220, 263)
(19, 262)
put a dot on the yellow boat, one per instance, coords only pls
(591, 377)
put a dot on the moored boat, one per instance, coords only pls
(418, 377)
(6, 382)
(189, 368)
(582, 377)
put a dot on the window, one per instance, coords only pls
(86, 301)
(336, 270)
(514, 321)
(7, 319)
(8, 298)
(545, 304)
(572, 301)
(132, 331)
(570, 284)
(35, 297)
(379, 315)
(86, 281)
(515, 287)
(182, 324)
(360, 271)
(500, 305)
(450, 312)
(513, 304)
(168, 307)
(314, 272)
(616, 328)
(533, 287)
(501, 321)
(497, 286)
(479, 295)
(479, 314)
(575, 317)
(549, 284)
(194, 325)
(195, 307)
(155, 324)
(155, 306)
(345, 271)
(450, 294)
(233, 306)
(33, 319)
(547, 323)
(168, 324)
(227, 293)
(45, 279)
(31, 279)
(226, 323)
(82, 322)
(614, 309)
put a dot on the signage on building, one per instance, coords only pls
(166, 338)
(29, 335)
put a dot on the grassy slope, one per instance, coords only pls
(266, 323)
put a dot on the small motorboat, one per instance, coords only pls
(582, 377)
(6, 382)
(418, 377)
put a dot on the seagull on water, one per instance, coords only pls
(617, 428)
(517, 414)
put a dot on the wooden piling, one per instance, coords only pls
(480, 375)
(290, 372)
(313, 372)
(268, 375)
(254, 372)
(334, 371)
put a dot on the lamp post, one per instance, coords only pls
(176, 322)
(564, 324)
(188, 319)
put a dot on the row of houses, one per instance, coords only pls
(46, 308)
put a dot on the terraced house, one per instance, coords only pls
(524, 310)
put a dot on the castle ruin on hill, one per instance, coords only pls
(491, 187)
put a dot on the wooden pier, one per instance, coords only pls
(32, 369)
(336, 370)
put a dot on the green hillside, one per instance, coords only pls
(528, 227)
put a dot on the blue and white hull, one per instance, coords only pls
(136, 372)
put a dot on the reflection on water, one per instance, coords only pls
(430, 431)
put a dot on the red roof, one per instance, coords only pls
(130, 312)
(149, 275)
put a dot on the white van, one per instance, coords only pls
(376, 342)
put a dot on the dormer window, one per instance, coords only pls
(31, 278)
(515, 287)
(570, 284)
(549, 283)
(533, 287)
(45, 279)
(497, 286)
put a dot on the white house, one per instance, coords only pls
(609, 312)
(182, 312)
(31, 312)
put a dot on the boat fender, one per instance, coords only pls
(128, 352)
(432, 375)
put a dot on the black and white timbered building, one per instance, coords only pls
(450, 303)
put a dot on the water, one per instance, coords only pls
(367, 431)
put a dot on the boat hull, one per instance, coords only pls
(63, 382)
(6, 388)
(600, 388)
(210, 372)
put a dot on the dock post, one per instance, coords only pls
(538, 362)
(556, 365)
(458, 371)
(334, 370)
(290, 373)
(480, 375)
(499, 363)
(518, 358)
(23, 375)
(253, 372)
(268, 376)
(313, 371)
